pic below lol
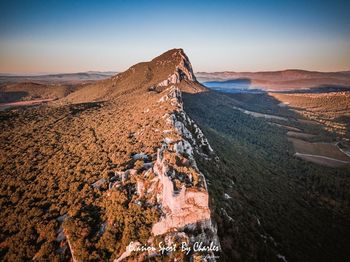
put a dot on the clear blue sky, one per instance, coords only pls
(70, 36)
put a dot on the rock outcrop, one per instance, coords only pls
(186, 205)
(178, 188)
(182, 71)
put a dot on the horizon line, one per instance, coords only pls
(197, 72)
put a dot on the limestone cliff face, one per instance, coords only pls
(177, 187)
(188, 204)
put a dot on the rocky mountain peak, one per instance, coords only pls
(182, 68)
(170, 68)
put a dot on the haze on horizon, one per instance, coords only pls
(74, 36)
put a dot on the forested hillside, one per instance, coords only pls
(300, 209)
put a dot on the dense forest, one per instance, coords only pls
(301, 210)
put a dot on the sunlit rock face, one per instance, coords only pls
(184, 206)
(178, 189)
(182, 191)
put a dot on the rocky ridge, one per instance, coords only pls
(177, 186)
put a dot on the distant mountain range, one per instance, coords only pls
(290, 79)
(56, 78)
